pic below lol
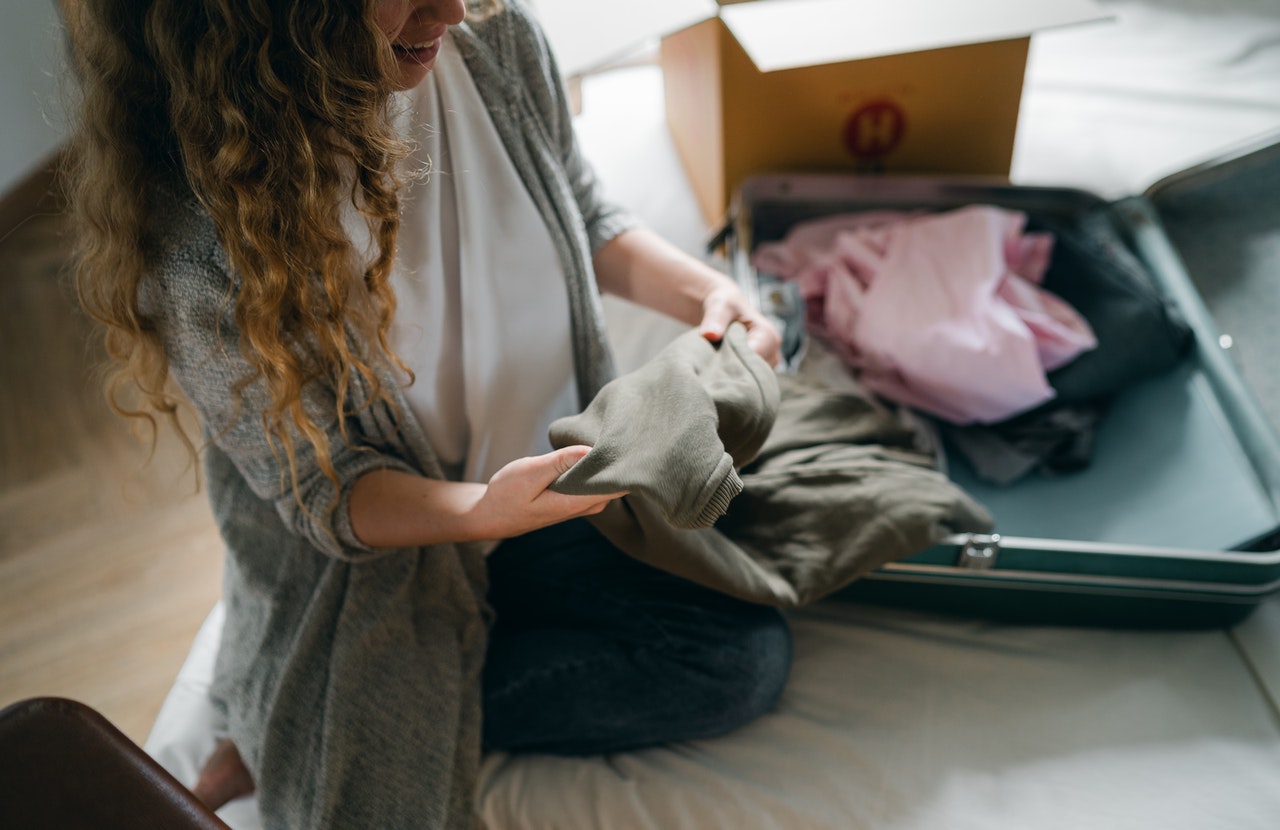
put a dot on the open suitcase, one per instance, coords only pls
(1176, 522)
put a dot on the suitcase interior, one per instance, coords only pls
(1176, 520)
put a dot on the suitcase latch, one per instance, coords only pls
(979, 551)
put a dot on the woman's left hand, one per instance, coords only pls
(726, 304)
(640, 266)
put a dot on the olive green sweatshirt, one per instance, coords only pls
(808, 486)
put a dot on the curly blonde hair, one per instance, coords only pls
(275, 113)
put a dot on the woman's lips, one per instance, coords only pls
(420, 52)
(419, 46)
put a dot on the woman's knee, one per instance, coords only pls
(752, 666)
(769, 643)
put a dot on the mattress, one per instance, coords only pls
(899, 720)
(896, 719)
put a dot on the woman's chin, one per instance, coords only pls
(414, 64)
(410, 74)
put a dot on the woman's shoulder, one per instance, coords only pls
(185, 261)
(512, 64)
(487, 17)
(506, 32)
(175, 217)
(179, 227)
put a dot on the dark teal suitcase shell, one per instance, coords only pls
(1176, 522)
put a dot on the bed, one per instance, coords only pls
(901, 719)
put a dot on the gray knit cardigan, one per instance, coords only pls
(350, 676)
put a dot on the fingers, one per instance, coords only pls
(597, 506)
(762, 337)
(723, 307)
(717, 314)
(528, 479)
(563, 459)
(518, 497)
(539, 471)
(766, 342)
(557, 507)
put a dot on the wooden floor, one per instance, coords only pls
(108, 563)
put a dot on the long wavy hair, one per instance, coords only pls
(275, 114)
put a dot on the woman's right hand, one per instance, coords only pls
(517, 500)
(392, 508)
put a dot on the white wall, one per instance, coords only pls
(31, 61)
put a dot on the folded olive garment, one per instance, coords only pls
(808, 486)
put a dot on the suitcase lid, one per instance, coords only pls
(1223, 219)
(1257, 156)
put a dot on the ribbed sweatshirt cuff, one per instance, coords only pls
(717, 503)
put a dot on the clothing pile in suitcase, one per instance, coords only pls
(1013, 331)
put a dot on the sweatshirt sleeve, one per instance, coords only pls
(189, 297)
(675, 430)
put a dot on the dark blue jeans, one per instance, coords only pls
(593, 651)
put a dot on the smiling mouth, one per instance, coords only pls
(417, 47)
(416, 51)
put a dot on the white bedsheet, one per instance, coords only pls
(899, 721)
(896, 720)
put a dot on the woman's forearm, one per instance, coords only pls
(394, 509)
(642, 267)
(391, 508)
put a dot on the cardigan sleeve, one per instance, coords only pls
(189, 296)
(604, 219)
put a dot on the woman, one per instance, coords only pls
(361, 239)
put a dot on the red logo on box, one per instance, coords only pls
(874, 129)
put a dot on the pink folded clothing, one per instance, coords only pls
(940, 311)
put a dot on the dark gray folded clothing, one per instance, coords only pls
(1053, 440)
(1140, 333)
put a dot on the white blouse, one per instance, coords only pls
(483, 315)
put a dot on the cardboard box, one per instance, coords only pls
(919, 86)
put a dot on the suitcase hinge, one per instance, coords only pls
(979, 551)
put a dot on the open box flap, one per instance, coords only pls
(787, 34)
(586, 34)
